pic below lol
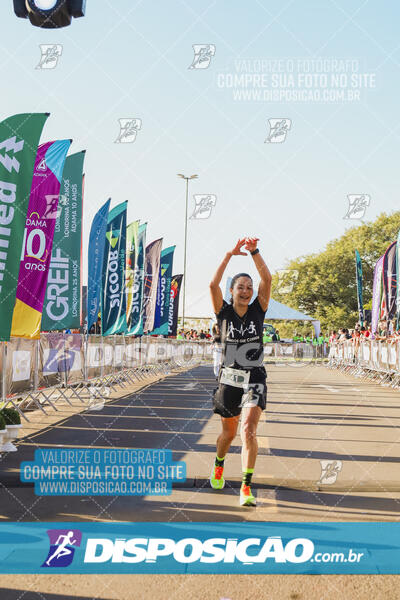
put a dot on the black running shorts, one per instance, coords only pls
(227, 399)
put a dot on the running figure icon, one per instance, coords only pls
(62, 549)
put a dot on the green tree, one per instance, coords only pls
(326, 287)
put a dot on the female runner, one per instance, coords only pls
(242, 378)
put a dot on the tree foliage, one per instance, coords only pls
(326, 284)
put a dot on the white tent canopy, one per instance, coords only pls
(281, 312)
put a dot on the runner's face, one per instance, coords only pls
(242, 291)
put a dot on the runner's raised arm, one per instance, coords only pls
(215, 290)
(264, 288)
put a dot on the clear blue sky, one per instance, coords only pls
(130, 59)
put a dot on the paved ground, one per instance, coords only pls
(313, 415)
(201, 587)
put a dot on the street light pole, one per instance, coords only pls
(184, 255)
(185, 245)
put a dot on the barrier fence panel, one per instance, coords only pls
(378, 360)
(74, 351)
(294, 352)
(19, 366)
(94, 356)
(108, 355)
(132, 352)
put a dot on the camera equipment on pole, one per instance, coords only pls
(49, 14)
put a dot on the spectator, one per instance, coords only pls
(96, 327)
(333, 336)
(383, 331)
(266, 337)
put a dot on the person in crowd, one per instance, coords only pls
(242, 378)
(396, 334)
(96, 327)
(333, 337)
(276, 337)
(392, 328)
(267, 337)
(202, 335)
(356, 336)
(383, 331)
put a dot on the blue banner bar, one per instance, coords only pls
(262, 547)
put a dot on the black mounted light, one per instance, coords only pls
(50, 14)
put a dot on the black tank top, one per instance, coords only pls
(242, 338)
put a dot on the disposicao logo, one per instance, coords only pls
(190, 550)
(62, 547)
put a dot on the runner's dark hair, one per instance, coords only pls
(234, 280)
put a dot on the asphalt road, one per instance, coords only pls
(313, 415)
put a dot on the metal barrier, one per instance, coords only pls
(294, 352)
(368, 359)
(59, 366)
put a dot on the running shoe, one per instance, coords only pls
(246, 497)
(217, 478)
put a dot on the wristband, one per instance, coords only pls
(256, 251)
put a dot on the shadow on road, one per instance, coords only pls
(8, 594)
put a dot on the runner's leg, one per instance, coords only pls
(229, 428)
(227, 435)
(251, 416)
(248, 431)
